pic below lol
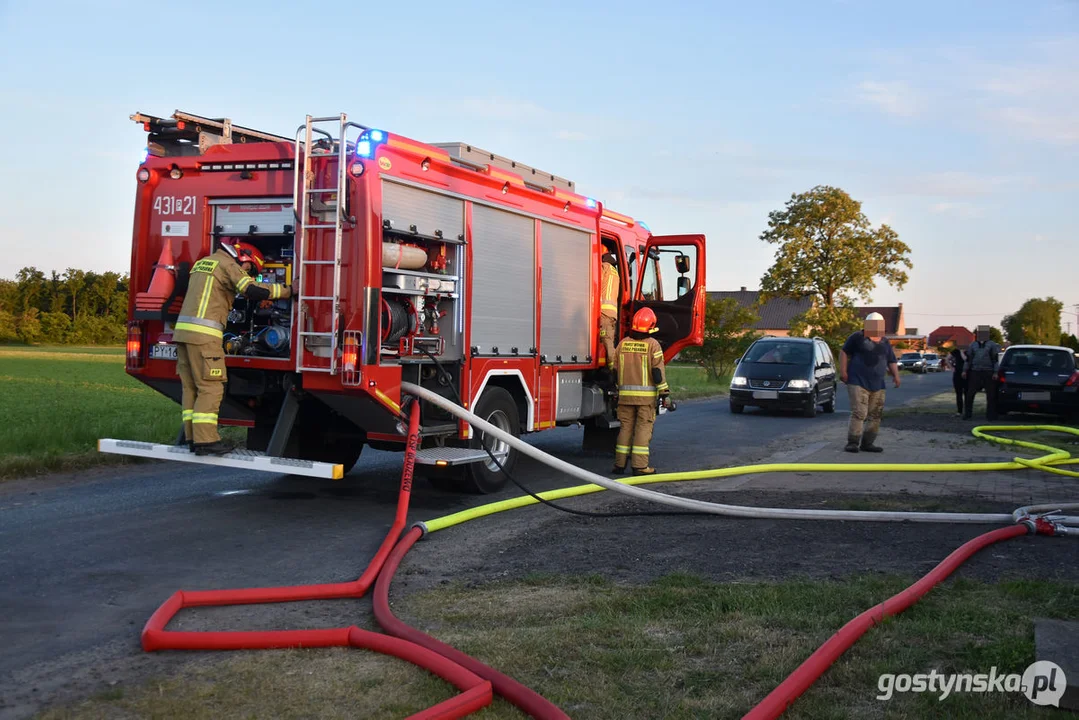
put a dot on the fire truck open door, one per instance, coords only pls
(671, 282)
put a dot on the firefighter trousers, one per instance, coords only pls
(608, 334)
(202, 374)
(634, 435)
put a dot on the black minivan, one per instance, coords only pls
(785, 373)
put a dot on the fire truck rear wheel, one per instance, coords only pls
(497, 407)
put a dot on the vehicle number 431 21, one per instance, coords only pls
(175, 205)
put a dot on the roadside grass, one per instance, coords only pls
(692, 381)
(56, 402)
(679, 647)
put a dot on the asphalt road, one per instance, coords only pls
(85, 559)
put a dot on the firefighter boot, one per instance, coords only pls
(867, 443)
(218, 447)
(618, 470)
(644, 471)
(852, 443)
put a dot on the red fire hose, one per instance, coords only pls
(525, 699)
(777, 701)
(476, 692)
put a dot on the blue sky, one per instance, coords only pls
(957, 123)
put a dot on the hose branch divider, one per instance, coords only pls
(475, 693)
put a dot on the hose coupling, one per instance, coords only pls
(423, 528)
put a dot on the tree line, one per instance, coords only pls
(75, 307)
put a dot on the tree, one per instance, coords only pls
(726, 336)
(1037, 322)
(995, 335)
(828, 249)
(75, 280)
(1069, 341)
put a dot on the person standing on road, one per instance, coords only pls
(641, 382)
(982, 356)
(865, 359)
(958, 359)
(200, 359)
(608, 305)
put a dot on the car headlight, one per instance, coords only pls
(738, 382)
(798, 384)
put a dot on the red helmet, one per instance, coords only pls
(244, 252)
(644, 321)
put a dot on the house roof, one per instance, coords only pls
(956, 334)
(775, 314)
(891, 316)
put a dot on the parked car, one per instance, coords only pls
(933, 362)
(913, 361)
(785, 373)
(1038, 378)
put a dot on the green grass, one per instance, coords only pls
(692, 381)
(57, 402)
(676, 648)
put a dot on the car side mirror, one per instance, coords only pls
(683, 286)
(681, 263)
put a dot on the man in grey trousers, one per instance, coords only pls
(865, 359)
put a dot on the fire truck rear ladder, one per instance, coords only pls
(303, 191)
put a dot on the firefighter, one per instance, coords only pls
(608, 305)
(641, 382)
(215, 282)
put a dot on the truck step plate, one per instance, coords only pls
(454, 456)
(243, 459)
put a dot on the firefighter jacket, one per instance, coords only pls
(215, 282)
(609, 282)
(641, 377)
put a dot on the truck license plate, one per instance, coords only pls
(163, 352)
(765, 394)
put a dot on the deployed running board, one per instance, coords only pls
(243, 459)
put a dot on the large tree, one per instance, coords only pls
(829, 249)
(727, 336)
(1037, 322)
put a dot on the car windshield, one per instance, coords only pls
(911, 356)
(930, 356)
(782, 353)
(1038, 359)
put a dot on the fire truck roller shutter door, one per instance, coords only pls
(567, 284)
(503, 281)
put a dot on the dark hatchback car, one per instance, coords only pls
(1038, 378)
(785, 373)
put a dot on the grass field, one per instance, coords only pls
(677, 648)
(57, 402)
(690, 381)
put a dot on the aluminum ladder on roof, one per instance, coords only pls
(303, 191)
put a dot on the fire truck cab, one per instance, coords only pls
(442, 265)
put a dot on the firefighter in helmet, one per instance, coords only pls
(215, 281)
(641, 382)
(608, 305)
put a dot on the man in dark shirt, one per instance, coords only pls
(866, 356)
(958, 381)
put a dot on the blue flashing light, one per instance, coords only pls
(645, 226)
(364, 148)
(377, 136)
(145, 155)
(590, 202)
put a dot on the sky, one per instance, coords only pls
(956, 123)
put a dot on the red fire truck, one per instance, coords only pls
(439, 264)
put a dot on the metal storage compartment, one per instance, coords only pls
(566, 328)
(405, 206)
(503, 282)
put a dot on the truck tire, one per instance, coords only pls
(497, 407)
(340, 451)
